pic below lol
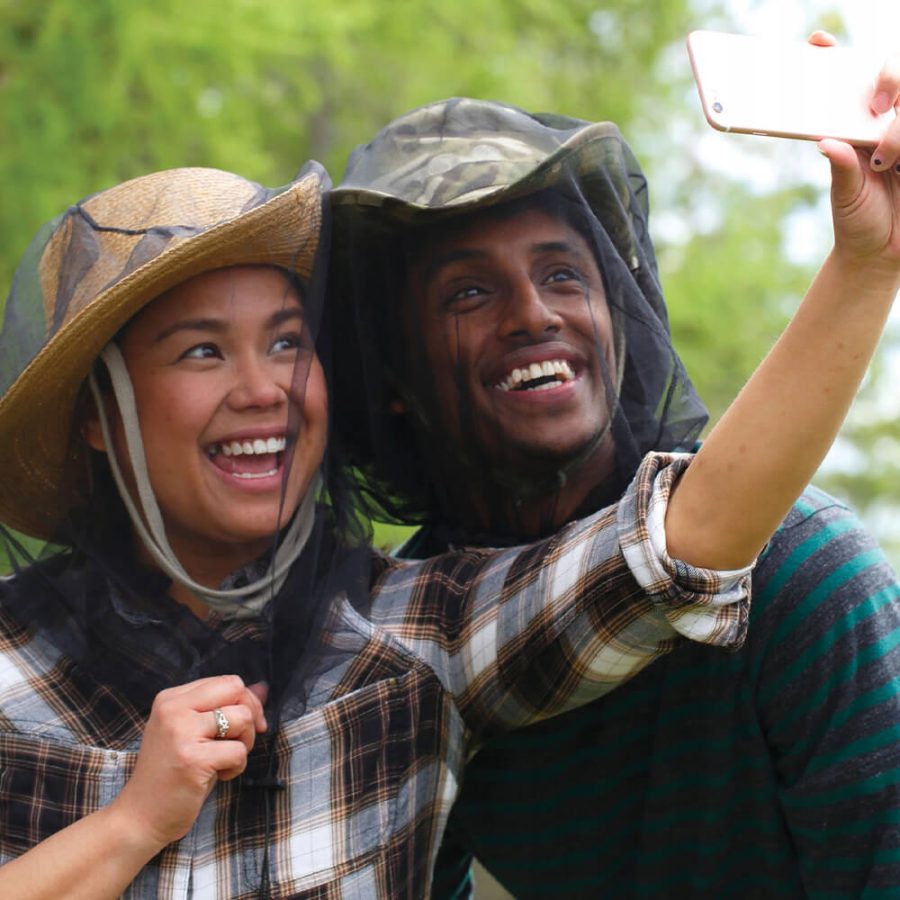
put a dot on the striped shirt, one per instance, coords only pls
(769, 772)
(399, 690)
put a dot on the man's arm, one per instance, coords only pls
(824, 657)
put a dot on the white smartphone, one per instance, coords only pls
(756, 85)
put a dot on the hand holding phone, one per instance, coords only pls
(756, 85)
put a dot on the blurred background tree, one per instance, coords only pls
(94, 93)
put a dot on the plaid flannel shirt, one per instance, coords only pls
(444, 653)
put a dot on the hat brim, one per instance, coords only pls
(592, 160)
(582, 145)
(38, 455)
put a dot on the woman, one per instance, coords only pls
(207, 692)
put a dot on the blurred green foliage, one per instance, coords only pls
(92, 93)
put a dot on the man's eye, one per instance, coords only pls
(202, 351)
(565, 273)
(464, 298)
(467, 292)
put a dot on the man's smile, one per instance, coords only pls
(537, 376)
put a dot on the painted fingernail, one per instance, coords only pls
(881, 102)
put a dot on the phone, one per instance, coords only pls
(756, 85)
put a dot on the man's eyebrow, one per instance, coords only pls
(217, 326)
(558, 247)
(451, 256)
(464, 253)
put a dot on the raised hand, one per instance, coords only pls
(181, 756)
(865, 188)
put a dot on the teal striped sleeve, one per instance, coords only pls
(770, 771)
(828, 695)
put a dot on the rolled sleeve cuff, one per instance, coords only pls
(706, 605)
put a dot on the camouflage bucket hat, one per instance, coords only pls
(92, 269)
(460, 155)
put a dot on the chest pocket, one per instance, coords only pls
(45, 786)
(366, 773)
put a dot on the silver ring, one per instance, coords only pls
(222, 724)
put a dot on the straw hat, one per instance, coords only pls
(91, 270)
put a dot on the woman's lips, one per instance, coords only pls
(248, 458)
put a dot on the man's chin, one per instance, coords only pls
(549, 460)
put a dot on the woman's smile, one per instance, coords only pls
(228, 388)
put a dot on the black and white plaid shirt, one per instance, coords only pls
(445, 653)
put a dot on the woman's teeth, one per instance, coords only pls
(537, 376)
(249, 448)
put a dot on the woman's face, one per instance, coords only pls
(212, 363)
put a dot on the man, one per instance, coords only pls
(513, 342)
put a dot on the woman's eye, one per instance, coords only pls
(287, 342)
(202, 351)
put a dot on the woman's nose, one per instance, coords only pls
(258, 384)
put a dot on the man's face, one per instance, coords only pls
(518, 336)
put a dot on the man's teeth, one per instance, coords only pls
(538, 376)
(249, 448)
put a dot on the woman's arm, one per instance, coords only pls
(179, 762)
(770, 442)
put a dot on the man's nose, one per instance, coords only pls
(527, 313)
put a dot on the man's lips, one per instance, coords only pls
(537, 376)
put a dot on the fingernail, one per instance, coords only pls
(881, 102)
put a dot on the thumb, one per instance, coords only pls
(260, 689)
(848, 177)
(260, 693)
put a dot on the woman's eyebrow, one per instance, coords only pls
(286, 314)
(214, 325)
(217, 326)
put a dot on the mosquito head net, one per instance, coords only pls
(506, 359)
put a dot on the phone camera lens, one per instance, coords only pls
(717, 107)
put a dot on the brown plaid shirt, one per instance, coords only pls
(445, 653)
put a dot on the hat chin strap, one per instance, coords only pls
(234, 603)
